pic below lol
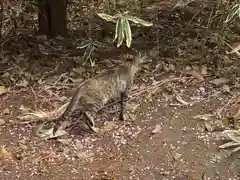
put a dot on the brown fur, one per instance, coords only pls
(93, 94)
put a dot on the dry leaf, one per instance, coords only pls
(203, 70)
(206, 117)
(44, 130)
(3, 154)
(79, 70)
(157, 129)
(226, 88)
(177, 156)
(2, 121)
(84, 155)
(171, 67)
(132, 106)
(108, 127)
(132, 117)
(235, 49)
(159, 68)
(23, 83)
(220, 81)
(59, 133)
(3, 90)
(179, 99)
(197, 75)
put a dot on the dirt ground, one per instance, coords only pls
(181, 147)
(163, 137)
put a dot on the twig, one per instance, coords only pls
(179, 99)
(1, 18)
(62, 84)
(226, 105)
(234, 50)
(35, 97)
(13, 18)
(153, 88)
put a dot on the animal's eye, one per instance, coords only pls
(129, 60)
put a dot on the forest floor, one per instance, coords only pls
(175, 110)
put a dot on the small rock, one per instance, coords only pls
(2, 122)
(42, 37)
(123, 141)
(171, 67)
(157, 129)
(78, 145)
(220, 81)
(209, 127)
(6, 111)
(166, 173)
(177, 156)
(65, 141)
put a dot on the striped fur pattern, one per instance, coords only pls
(93, 94)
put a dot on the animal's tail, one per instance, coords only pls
(68, 111)
(28, 117)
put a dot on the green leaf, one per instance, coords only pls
(229, 144)
(236, 149)
(121, 32)
(137, 20)
(117, 29)
(234, 135)
(128, 32)
(225, 121)
(107, 17)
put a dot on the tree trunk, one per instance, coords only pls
(52, 17)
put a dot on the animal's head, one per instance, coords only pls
(139, 59)
(135, 59)
(134, 62)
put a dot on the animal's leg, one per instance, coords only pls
(57, 125)
(63, 118)
(90, 121)
(123, 102)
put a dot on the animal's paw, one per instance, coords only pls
(95, 129)
(124, 117)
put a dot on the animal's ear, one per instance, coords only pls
(141, 57)
(128, 57)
